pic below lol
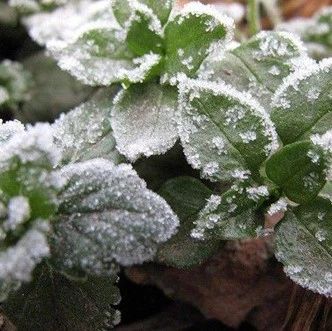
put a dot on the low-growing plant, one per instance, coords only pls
(245, 129)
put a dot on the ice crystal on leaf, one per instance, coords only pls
(107, 214)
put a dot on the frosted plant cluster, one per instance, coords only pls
(189, 138)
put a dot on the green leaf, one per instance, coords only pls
(55, 303)
(191, 35)
(85, 132)
(143, 120)
(302, 104)
(187, 196)
(223, 132)
(107, 214)
(299, 169)
(258, 65)
(232, 215)
(144, 31)
(100, 57)
(304, 245)
(161, 8)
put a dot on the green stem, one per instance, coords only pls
(253, 17)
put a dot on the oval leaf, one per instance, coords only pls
(302, 105)
(304, 246)
(299, 169)
(143, 120)
(223, 131)
(191, 35)
(107, 214)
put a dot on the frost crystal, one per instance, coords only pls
(18, 212)
(255, 193)
(278, 207)
(8, 129)
(18, 262)
(107, 214)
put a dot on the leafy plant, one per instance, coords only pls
(253, 120)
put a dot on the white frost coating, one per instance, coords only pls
(197, 9)
(18, 262)
(274, 47)
(324, 141)
(278, 207)
(70, 21)
(146, 126)
(124, 219)
(8, 129)
(255, 193)
(142, 66)
(294, 79)
(18, 212)
(140, 8)
(33, 145)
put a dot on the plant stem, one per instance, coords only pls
(253, 16)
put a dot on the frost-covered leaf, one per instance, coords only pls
(302, 105)
(258, 65)
(144, 31)
(304, 246)
(55, 303)
(299, 169)
(191, 35)
(107, 214)
(315, 31)
(101, 57)
(187, 196)
(224, 132)
(15, 84)
(232, 215)
(85, 132)
(143, 120)
(28, 191)
(161, 8)
(76, 17)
